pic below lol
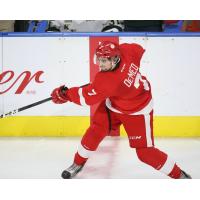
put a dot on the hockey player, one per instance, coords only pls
(125, 98)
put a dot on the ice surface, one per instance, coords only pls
(47, 157)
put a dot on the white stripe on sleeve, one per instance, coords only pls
(82, 99)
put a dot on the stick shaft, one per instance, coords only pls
(25, 107)
(34, 104)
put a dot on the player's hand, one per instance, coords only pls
(59, 95)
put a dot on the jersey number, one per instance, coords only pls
(139, 79)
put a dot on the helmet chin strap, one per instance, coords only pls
(114, 64)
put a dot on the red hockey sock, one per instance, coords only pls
(93, 136)
(152, 156)
(89, 143)
(79, 160)
(159, 160)
(175, 173)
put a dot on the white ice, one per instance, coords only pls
(47, 157)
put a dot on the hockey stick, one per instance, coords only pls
(63, 89)
(25, 107)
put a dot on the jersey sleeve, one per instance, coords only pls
(89, 94)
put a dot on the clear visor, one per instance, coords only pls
(97, 60)
(102, 60)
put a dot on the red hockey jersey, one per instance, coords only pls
(124, 89)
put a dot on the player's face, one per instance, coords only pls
(105, 64)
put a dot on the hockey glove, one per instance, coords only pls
(59, 95)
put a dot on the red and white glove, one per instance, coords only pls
(59, 95)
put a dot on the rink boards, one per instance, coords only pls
(32, 65)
